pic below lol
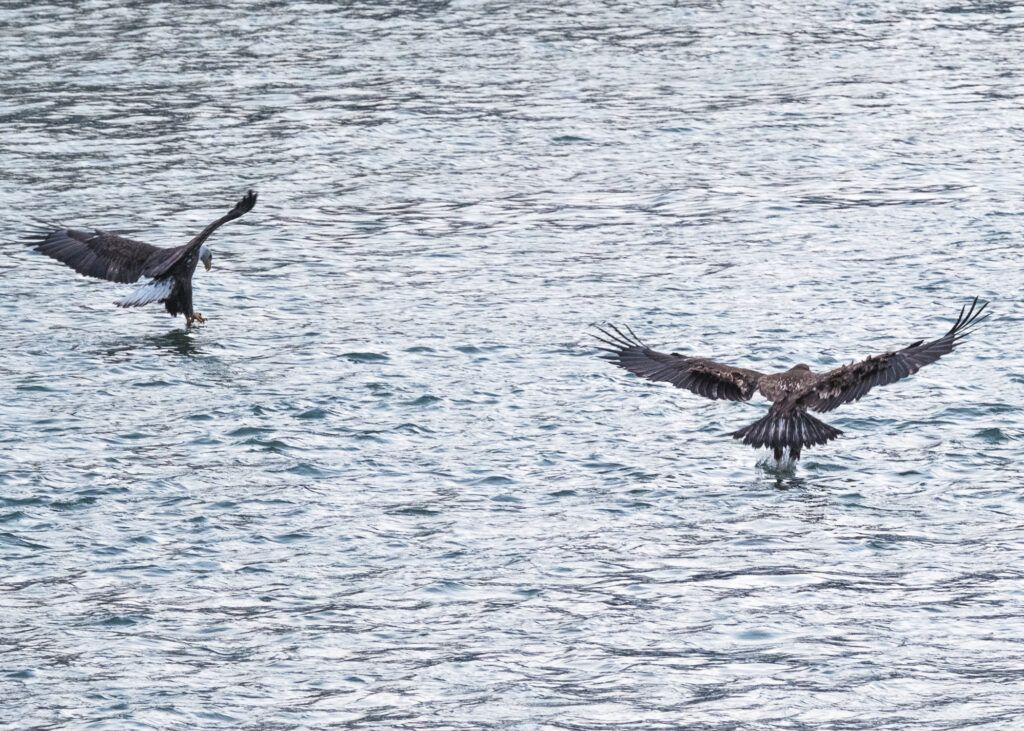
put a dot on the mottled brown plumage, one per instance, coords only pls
(792, 393)
(119, 259)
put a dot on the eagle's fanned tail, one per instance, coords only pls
(157, 290)
(786, 428)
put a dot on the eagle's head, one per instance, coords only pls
(206, 256)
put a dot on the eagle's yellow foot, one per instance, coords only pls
(194, 317)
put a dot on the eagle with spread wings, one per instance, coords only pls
(787, 425)
(119, 259)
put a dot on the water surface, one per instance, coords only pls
(389, 484)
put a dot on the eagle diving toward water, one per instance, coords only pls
(787, 425)
(117, 259)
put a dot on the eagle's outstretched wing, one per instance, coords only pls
(116, 258)
(703, 377)
(95, 254)
(852, 381)
(161, 265)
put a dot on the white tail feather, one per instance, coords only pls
(155, 291)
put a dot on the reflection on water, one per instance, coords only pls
(178, 341)
(388, 485)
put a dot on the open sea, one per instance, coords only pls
(390, 485)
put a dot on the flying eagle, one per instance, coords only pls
(118, 259)
(787, 424)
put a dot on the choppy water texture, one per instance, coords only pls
(389, 484)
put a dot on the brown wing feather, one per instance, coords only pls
(703, 377)
(117, 258)
(166, 263)
(852, 381)
(95, 254)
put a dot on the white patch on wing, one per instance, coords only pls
(156, 291)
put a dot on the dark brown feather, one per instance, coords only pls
(787, 426)
(119, 259)
(699, 375)
(96, 254)
(851, 382)
(173, 256)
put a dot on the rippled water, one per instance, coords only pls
(389, 484)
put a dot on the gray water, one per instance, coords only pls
(390, 485)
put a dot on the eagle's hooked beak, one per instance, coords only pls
(206, 256)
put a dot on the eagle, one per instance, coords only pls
(119, 259)
(787, 425)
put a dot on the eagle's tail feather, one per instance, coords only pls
(157, 290)
(786, 428)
